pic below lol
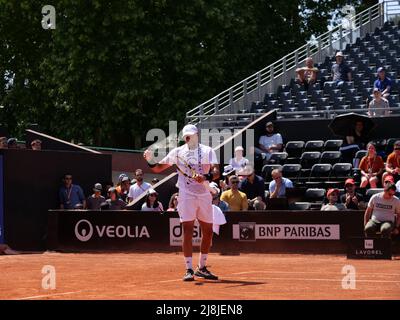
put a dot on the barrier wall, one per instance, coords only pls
(277, 231)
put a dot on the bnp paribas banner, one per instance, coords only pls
(1, 202)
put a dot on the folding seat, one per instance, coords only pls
(308, 159)
(272, 104)
(389, 145)
(304, 105)
(356, 101)
(270, 96)
(370, 192)
(341, 170)
(339, 103)
(316, 94)
(331, 157)
(301, 95)
(294, 148)
(285, 96)
(333, 145)
(335, 94)
(255, 106)
(314, 145)
(315, 195)
(288, 106)
(278, 158)
(393, 99)
(300, 206)
(318, 175)
(267, 169)
(323, 104)
(291, 171)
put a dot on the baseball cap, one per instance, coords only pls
(269, 123)
(121, 176)
(330, 191)
(125, 178)
(98, 187)
(152, 191)
(189, 130)
(349, 181)
(214, 186)
(228, 170)
(376, 90)
(380, 69)
(246, 171)
(239, 148)
(339, 54)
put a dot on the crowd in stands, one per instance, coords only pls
(12, 143)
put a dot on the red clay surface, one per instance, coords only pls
(155, 276)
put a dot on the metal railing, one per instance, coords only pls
(267, 80)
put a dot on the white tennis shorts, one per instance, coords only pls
(192, 207)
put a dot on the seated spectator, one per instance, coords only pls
(173, 203)
(139, 187)
(95, 201)
(278, 186)
(381, 211)
(216, 198)
(393, 163)
(154, 181)
(123, 188)
(3, 143)
(333, 204)
(383, 83)
(114, 202)
(238, 161)
(371, 167)
(351, 199)
(71, 195)
(151, 203)
(254, 188)
(340, 70)
(36, 145)
(236, 200)
(356, 140)
(228, 171)
(12, 143)
(307, 75)
(269, 143)
(378, 106)
(109, 184)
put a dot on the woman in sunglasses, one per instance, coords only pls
(152, 203)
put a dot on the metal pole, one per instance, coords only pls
(231, 100)
(341, 37)
(259, 85)
(245, 94)
(284, 69)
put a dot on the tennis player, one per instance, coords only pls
(196, 164)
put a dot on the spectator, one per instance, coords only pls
(351, 199)
(36, 145)
(371, 167)
(381, 211)
(340, 70)
(152, 203)
(378, 106)
(398, 186)
(356, 140)
(71, 195)
(12, 143)
(254, 188)
(228, 171)
(307, 75)
(333, 204)
(139, 187)
(236, 200)
(393, 163)
(238, 161)
(383, 83)
(114, 202)
(154, 181)
(109, 184)
(3, 143)
(173, 203)
(123, 189)
(216, 198)
(95, 201)
(278, 186)
(269, 143)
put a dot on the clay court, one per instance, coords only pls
(158, 276)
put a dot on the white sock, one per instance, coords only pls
(203, 259)
(188, 263)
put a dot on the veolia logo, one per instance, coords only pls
(84, 233)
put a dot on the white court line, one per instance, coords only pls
(47, 295)
(328, 280)
(309, 272)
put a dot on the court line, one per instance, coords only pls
(47, 295)
(310, 272)
(317, 279)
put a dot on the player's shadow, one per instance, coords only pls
(235, 283)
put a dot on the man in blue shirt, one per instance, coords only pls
(278, 186)
(71, 195)
(254, 188)
(383, 83)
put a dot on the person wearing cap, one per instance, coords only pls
(236, 199)
(279, 184)
(381, 211)
(228, 171)
(196, 165)
(340, 70)
(123, 188)
(307, 75)
(151, 202)
(36, 145)
(269, 143)
(238, 161)
(371, 167)
(333, 204)
(3, 143)
(378, 106)
(94, 201)
(137, 189)
(12, 143)
(383, 83)
(352, 200)
(254, 188)
(393, 164)
(114, 202)
(71, 194)
(154, 181)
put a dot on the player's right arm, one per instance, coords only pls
(156, 167)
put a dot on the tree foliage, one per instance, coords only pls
(111, 70)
